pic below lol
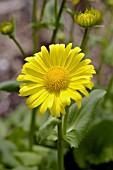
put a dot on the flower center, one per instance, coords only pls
(56, 79)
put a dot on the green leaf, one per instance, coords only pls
(25, 168)
(97, 146)
(10, 86)
(80, 119)
(18, 136)
(20, 117)
(3, 128)
(49, 155)
(2, 167)
(47, 128)
(70, 138)
(6, 149)
(28, 158)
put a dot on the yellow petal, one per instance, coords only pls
(50, 100)
(64, 97)
(53, 54)
(34, 96)
(66, 54)
(60, 54)
(79, 87)
(27, 90)
(40, 62)
(74, 60)
(29, 78)
(43, 107)
(46, 56)
(20, 78)
(55, 109)
(74, 94)
(39, 100)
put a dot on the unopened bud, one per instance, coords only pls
(7, 28)
(89, 18)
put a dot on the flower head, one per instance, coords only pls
(52, 79)
(89, 18)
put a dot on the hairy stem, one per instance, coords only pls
(32, 128)
(42, 10)
(19, 46)
(60, 147)
(35, 32)
(84, 40)
(65, 121)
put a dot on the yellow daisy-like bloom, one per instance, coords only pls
(52, 79)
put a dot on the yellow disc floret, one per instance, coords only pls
(56, 79)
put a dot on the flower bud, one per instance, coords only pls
(96, 13)
(85, 19)
(7, 28)
(89, 18)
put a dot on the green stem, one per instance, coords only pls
(19, 46)
(84, 40)
(35, 44)
(32, 128)
(42, 10)
(60, 147)
(72, 27)
(35, 32)
(72, 30)
(65, 121)
(55, 9)
(57, 22)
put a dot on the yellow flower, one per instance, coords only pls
(52, 79)
(75, 2)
